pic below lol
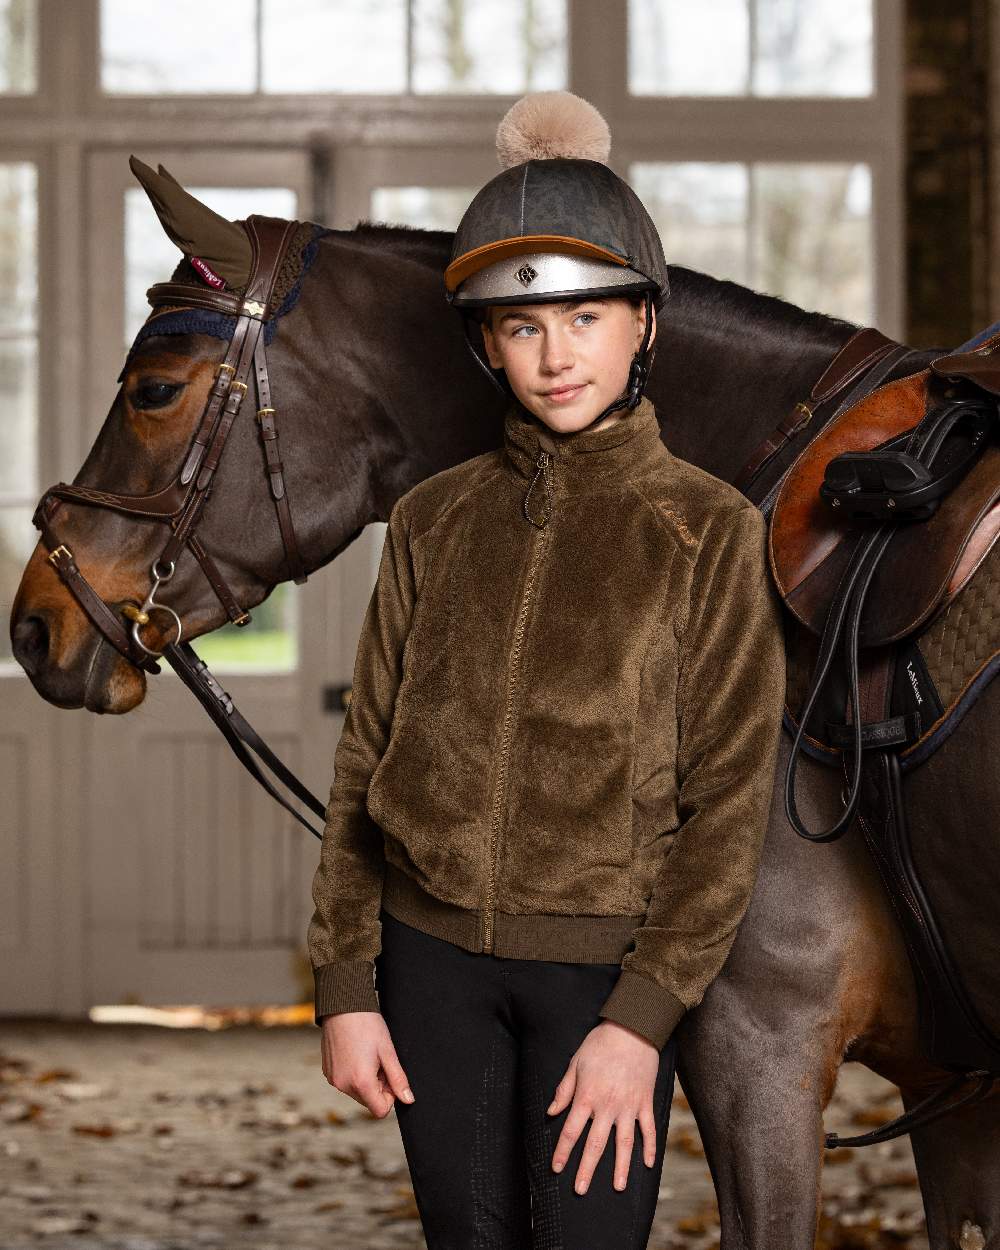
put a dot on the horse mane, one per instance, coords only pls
(716, 307)
(428, 247)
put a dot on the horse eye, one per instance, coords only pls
(155, 394)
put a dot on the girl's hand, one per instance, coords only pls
(360, 1060)
(611, 1077)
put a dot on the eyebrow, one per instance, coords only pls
(561, 308)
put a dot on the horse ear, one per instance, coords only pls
(194, 227)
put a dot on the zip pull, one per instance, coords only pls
(542, 461)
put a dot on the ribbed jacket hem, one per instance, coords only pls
(567, 939)
(348, 985)
(640, 1004)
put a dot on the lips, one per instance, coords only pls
(564, 391)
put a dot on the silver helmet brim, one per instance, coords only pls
(542, 277)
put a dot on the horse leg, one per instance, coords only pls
(751, 1084)
(956, 1157)
(758, 1057)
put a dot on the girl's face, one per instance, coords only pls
(567, 362)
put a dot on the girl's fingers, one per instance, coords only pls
(571, 1130)
(564, 1090)
(394, 1074)
(597, 1139)
(624, 1140)
(647, 1124)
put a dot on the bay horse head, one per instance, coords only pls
(265, 325)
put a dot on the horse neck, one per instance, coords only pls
(402, 391)
(730, 364)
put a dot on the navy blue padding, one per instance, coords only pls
(221, 325)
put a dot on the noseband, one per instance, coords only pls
(180, 503)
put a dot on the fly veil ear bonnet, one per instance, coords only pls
(557, 224)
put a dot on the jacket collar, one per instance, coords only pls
(584, 460)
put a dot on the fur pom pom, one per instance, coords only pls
(548, 124)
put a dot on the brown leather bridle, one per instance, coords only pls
(180, 504)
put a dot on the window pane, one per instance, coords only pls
(270, 642)
(150, 256)
(353, 45)
(800, 47)
(18, 46)
(18, 321)
(430, 208)
(471, 46)
(19, 405)
(798, 231)
(17, 541)
(701, 212)
(679, 48)
(812, 236)
(187, 45)
(828, 52)
(18, 246)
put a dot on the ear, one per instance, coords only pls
(490, 344)
(641, 324)
(194, 227)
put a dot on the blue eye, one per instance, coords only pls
(517, 332)
(592, 316)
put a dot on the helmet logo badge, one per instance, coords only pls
(526, 275)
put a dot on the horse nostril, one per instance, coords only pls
(30, 643)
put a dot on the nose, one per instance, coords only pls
(557, 351)
(30, 643)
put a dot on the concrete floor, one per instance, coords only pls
(131, 1137)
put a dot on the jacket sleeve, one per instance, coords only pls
(344, 934)
(730, 696)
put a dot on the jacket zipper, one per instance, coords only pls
(501, 783)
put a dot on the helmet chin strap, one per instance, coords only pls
(637, 375)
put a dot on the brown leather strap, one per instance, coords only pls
(236, 614)
(862, 349)
(279, 492)
(860, 352)
(108, 624)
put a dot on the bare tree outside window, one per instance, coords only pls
(18, 46)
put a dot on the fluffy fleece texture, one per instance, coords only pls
(563, 730)
(550, 124)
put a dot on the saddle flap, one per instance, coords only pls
(981, 365)
(927, 561)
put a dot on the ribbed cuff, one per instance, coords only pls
(348, 985)
(640, 1004)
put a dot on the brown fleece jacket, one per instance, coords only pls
(564, 721)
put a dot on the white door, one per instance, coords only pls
(196, 883)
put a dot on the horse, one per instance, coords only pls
(373, 372)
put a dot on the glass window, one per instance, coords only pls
(352, 45)
(18, 46)
(756, 47)
(19, 488)
(270, 642)
(151, 48)
(801, 231)
(466, 45)
(429, 208)
(320, 46)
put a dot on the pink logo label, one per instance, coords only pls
(210, 276)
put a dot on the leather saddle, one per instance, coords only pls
(926, 562)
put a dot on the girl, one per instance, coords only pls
(572, 664)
